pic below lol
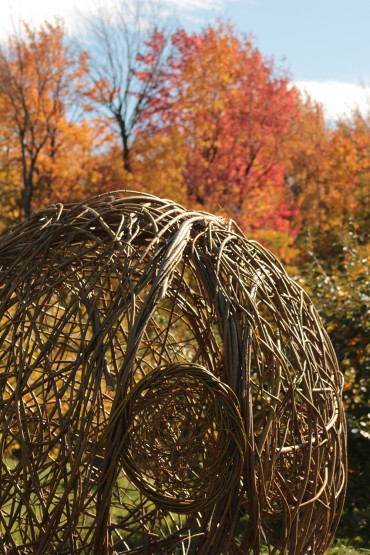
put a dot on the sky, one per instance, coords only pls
(324, 44)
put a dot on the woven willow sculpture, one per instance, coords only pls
(165, 388)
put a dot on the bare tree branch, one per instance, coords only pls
(117, 37)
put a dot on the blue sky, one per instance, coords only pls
(325, 44)
(320, 39)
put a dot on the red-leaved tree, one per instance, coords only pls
(232, 109)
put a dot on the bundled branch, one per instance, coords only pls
(165, 387)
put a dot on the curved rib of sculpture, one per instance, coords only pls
(165, 388)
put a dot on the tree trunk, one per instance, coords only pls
(27, 199)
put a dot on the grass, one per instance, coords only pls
(339, 547)
(342, 547)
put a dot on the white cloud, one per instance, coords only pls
(339, 98)
(197, 4)
(37, 11)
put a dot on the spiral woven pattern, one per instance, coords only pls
(165, 387)
(185, 440)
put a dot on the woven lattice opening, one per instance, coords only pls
(165, 387)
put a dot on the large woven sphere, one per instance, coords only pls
(165, 387)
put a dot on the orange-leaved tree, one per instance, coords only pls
(45, 140)
(353, 140)
(328, 171)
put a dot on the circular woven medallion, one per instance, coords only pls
(185, 439)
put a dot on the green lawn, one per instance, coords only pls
(339, 547)
(343, 548)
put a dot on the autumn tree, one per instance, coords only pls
(353, 140)
(328, 172)
(232, 109)
(40, 78)
(120, 39)
(9, 189)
